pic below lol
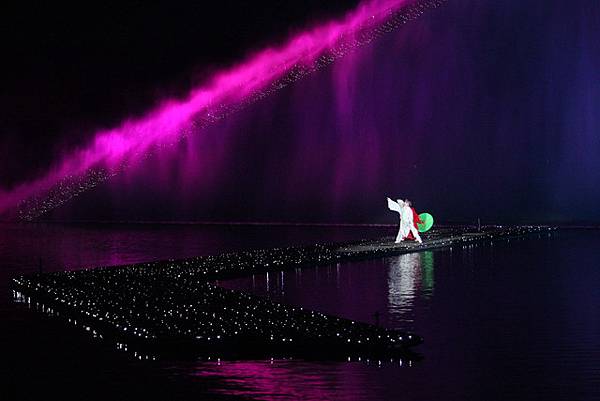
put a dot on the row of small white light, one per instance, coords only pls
(166, 300)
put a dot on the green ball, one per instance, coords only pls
(427, 222)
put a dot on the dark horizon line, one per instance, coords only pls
(586, 225)
(201, 222)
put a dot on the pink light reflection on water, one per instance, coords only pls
(278, 380)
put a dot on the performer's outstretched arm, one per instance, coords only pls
(394, 206)
(397, 207)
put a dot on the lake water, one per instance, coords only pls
(516, 319)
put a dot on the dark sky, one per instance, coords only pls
(478, 109)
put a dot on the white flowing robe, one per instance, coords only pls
(406, 220)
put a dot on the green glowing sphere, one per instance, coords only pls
(427, 222)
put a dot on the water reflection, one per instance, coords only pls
(489, 333)
(409, 276)
(386, 291)
(278, 380)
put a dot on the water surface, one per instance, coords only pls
(515, 319)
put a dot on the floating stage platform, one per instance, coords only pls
(172, 307)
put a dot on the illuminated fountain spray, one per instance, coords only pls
(229, 91)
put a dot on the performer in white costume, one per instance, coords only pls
(407, 224)
(411, 214)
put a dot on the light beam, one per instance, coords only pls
(227, 92)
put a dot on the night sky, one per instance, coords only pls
(477, 109)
